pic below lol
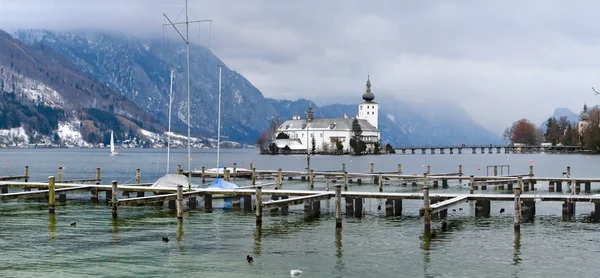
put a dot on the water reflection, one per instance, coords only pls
(115, 231)
(179, 235)
(339, 251)
(257, 239)
(52, 225)
(517, 249)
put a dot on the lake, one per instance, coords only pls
(215, 244)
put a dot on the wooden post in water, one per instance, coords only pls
(372, 168)
(312, 179)
(345, 180)
(279, 178)
(26, 173)
(399, 169)
(460, 174)
(179, 170)
(338, 206)
(343, 167)
(51, 195)
(204, 173)
(326, 183)
(569, 171)
(253, 175)
(531, 170)
(426, 210)
(114, 199)
(234, 170)
(428, 169)
(179, 202)
(380, 183)
(60, 171)
(517, 220)
(259, 205)
(226, 174)
(94, 190)
(471, 184)
(138, 176)
(495, 171)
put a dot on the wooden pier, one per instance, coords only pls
(250, 198)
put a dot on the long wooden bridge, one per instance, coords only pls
(490, 149)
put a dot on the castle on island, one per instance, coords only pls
(324, 135)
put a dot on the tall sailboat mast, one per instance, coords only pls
(187, 50)
(219, 123)
(169, 132)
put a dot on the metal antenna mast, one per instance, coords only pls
(187, 50)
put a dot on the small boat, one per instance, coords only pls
(113, 151)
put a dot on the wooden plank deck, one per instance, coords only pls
(10, 178)
(41, 193)
(437, 207)
(297, 200)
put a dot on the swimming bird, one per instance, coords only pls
(459, 208)
(379, 207)
(165, 239)
(453, 209)
(295, 272)
(502, 210)
(249, 259)
(74, 224)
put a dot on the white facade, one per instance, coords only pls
(370, 112)
(327, 131)
(325, 138)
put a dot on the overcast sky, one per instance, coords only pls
(502, 60)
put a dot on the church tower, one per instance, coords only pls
(368, 109)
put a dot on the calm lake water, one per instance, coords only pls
(215, 244)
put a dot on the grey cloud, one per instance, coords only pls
(501, 60)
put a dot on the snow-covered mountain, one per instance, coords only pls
(138, 72)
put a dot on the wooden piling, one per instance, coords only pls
(427, 210)
(26, 173)
(179, 202)
(495, 171)
(259, 204)
(349, 206)
(279, 178)
(138, 176)
(568, 171)
(345, 180)
(226, 174)
(338, 206)
(235, 203)
(192, 203)
(253, 176)
(312, 179)
(551, 186)
(517, 219)
(428, 169)
(531, 170)
(208, 203)
(60, 172)
(380, 183)
(372, 168)
(179, 170)
(471, 184)
(343, 167)
(399, 169)
(482, 208)
(588, 187)
(234, 170)
(114, 199)
(204, 173)
(51, 197)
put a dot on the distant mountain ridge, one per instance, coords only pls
(139, 71)
(47, 96)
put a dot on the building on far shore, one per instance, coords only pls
(326, 132)
(584, 119)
